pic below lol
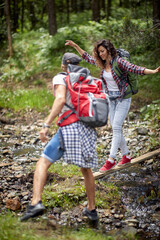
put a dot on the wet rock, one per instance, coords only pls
(13, 204)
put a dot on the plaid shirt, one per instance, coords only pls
(125, 67)
(79, 143)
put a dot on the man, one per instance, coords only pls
(79, 146)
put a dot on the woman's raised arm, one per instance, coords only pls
(74, 45)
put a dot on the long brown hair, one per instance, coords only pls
(110, 50)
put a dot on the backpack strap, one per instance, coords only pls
(67, 118)
(119, 72)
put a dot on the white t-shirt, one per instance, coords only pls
(111, 84)
(59, 80)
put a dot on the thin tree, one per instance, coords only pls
(22, 16)
(108, 9)
(67, 8)
(8, 21)
(95, 10)
(15, 15)
(52, 17)
(156, 13)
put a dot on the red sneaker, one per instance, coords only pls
(107, 166)
(124, 160)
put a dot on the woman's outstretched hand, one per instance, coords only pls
(74, 45)
(157, 70)
(70, 43)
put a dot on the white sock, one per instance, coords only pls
(128, 156)
(110, 160)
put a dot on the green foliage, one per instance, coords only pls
(151, 111)
(36, 52)
(65, 170)
(71, 191)
(107, 194)
(65, 194)
(11, 229)
(26, 99)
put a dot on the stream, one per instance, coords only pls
(139, 184)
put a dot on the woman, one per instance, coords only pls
(103, 55)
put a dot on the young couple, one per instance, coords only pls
(79, 140)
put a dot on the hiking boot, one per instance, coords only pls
(33, 211)
(92, 215)
(107, 166)
(124, 160)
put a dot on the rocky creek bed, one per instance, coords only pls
(139, 210)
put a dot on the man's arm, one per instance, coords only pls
(60, 99)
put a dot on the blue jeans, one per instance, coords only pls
(53, 150)
(118, 110)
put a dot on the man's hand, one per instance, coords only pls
(43, 135)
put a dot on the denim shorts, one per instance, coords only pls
(53, 150)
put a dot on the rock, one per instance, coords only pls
(12, 194)
(52, 223)
(25, 193)
(142, 130)
(13, 204)
(132, 222)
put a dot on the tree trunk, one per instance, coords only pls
(120, 3)
(103, 5)
(156, 13)
(95, 10)
(68, 11)
(82, 6)
(108, 9)
(8, 21)
(74, 6)
(15, 16)
(52, 17)
(22, 16)
(32, 15)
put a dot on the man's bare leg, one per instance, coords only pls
(90, 187)
(39, 180)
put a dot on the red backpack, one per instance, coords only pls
(88, 98)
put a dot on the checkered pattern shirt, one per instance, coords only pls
(124, 66)
(80, 145)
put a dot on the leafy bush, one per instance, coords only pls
(26, 99)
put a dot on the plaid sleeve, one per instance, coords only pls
(88, 58)
(130, 67)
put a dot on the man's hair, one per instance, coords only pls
(70, 58)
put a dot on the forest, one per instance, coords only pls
(32, 42)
